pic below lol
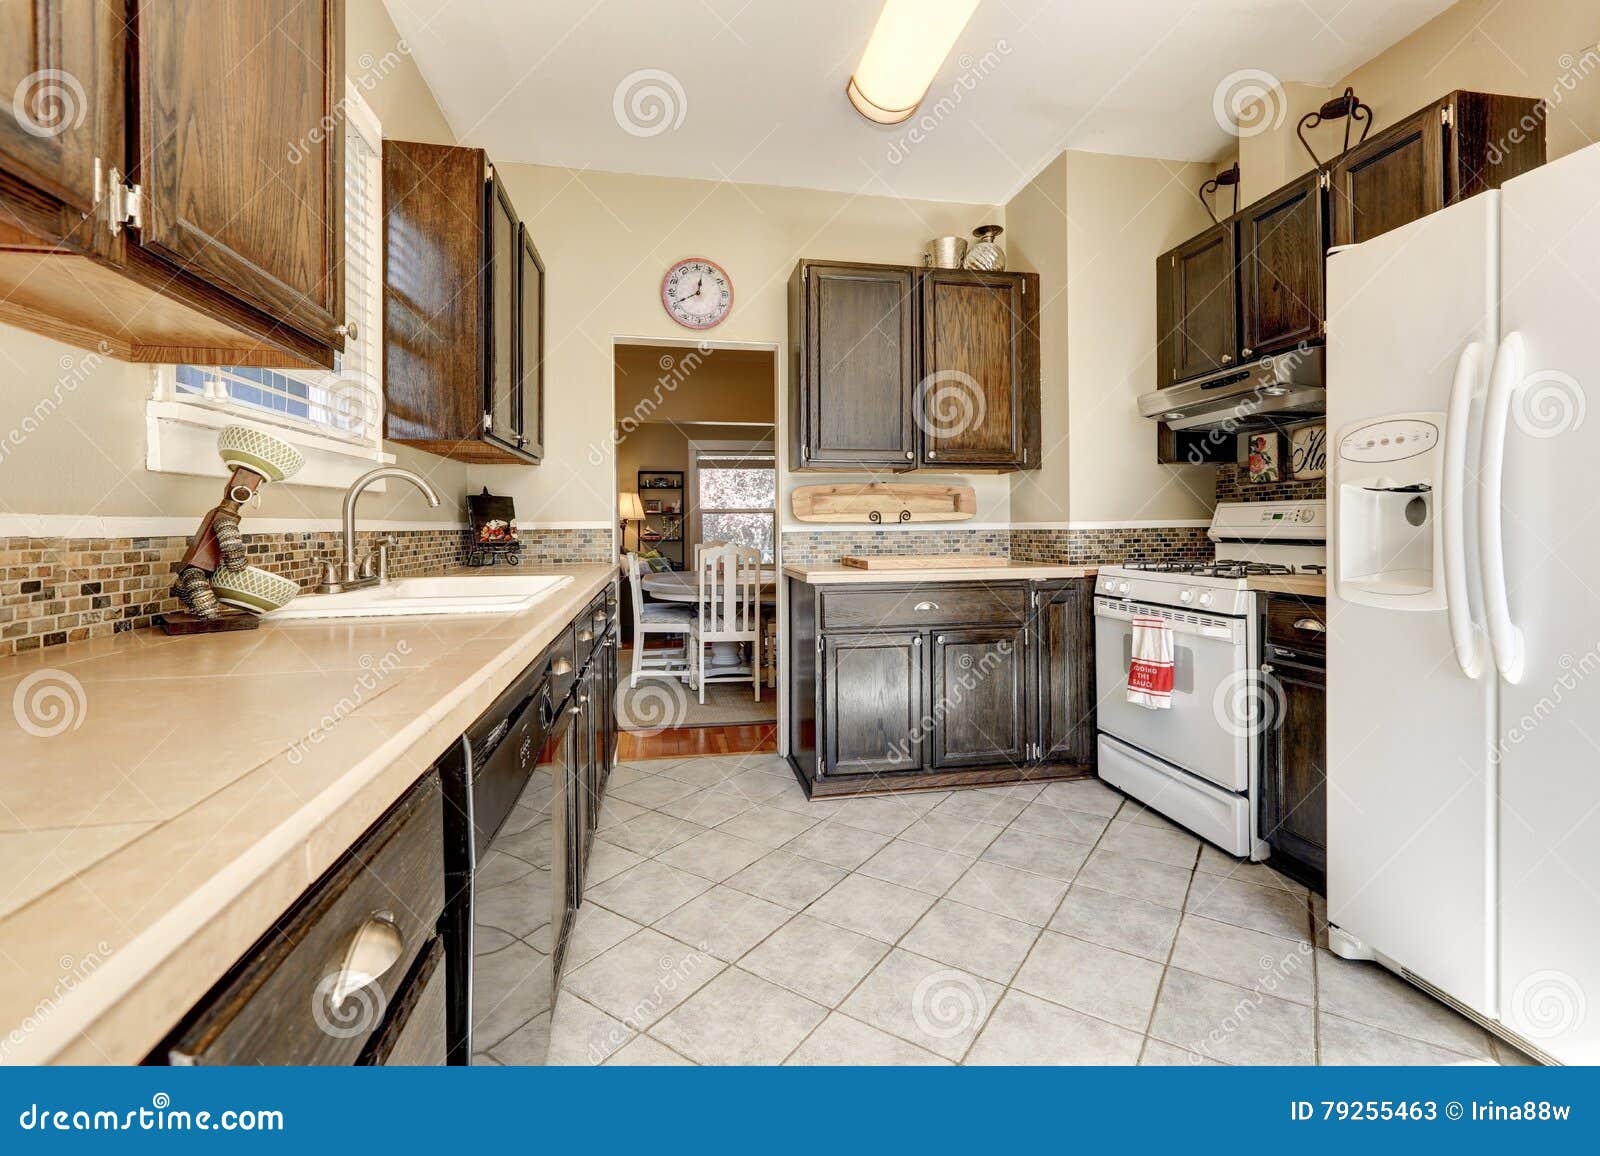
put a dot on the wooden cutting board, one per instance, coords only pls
(922, 562)
(880, 502)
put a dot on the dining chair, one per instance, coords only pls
(658, 618)
(729, 611)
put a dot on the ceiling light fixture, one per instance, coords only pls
(908, 45)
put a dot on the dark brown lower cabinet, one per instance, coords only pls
(912, 685)
(1294, 804)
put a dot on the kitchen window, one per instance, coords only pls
(336, 417)
(735, 487)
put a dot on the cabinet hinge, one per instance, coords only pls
(819, 644)
(1324, 180)
(488, 423)
(1447, 116)
(127, 202)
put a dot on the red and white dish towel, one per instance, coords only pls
(1150, 670)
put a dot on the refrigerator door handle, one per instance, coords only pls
(1463, 632)
(1503, 382)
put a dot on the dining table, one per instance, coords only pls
(684, 586)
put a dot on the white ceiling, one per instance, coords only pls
(755, 88)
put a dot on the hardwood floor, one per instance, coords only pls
(683, 742)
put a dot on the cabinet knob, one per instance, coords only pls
(910, 455)
(1227, 359)
(932, 454)
(917, 642)
(1267, 668)
(348, 329)
(1248, 352)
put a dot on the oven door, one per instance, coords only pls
(1207, 730)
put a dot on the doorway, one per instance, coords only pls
(695, 451)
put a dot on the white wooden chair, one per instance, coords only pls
(658, 618)
(729, 612)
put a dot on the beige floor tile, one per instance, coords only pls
(872, 907)
(1370, 994)
(1131, 925)
(1028, 1031)
(650, 792)
(1345, 1042)
(926, 1002)
(652, 833)
(916, 866)
(1134, 811)
(1135, 878)
(1090, 796)
(1037, 853)
(708, 807)
(996, 809)
(644, 1052)
(724, 922)
(1268, 909)
(1163, 1055)
(648, 891)
(820, 961)
(1099, 981)
(581, 1035)
(1019, 895)
(1249, 959)
(769, 826)
(1041, 818)
(702, 772)
(739, 1018)
(594, 930)
(787, 879)
(840, 1041)
(713, 854)
(1227, 1023)
(607, 859)
(986, 944)
(757, 786)
(613, 812)
(643, 977)
(1175, 848)
(1217, 862)
(527, 1047)
(835, 843)
(888, 815)
(958, 833)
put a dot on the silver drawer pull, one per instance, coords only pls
(376, 947)
(926, 606)
(1310, 625)
(561, 666)
(585, 635)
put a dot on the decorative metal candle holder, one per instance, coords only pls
(1347, 108)
(1228, 177)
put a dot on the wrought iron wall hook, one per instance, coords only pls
(1227, 177)
(1347, 108)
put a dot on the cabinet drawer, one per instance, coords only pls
(897, 607)
(414, 1033)
(278, 1005)
(564, 662)
(1299, 624)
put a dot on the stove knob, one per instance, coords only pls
(1186, 596)
(1108, 584)
(1205, 599)
(1122, 587)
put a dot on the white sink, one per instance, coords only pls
(497, 594)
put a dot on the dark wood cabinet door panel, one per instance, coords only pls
(1203, 280)
(873, 691)
(1283, 246)
(1064, 626)
(500, 269)
(530, 348)
(978, 698)
(972, 394)
(858, 363)
(61, 77)
(1393, 179)
(1295, 807)
(241, 145)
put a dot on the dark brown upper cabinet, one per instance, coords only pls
(161, 208)
(979, 373)
(1452, 149)
(1199, 281)
(463, 295)
(853, 333)
(1282, 259)
(901, 368)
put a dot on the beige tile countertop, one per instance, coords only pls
(163, 800)
(1305, 585)
(1010, 572)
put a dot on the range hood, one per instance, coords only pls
(1264, 393)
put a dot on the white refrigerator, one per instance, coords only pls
(1464, 605)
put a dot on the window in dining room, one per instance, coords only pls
(737, 497)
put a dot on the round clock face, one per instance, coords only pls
(697, 293)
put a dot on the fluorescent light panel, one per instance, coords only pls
(907, 47)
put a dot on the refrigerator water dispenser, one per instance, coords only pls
(1388, 550)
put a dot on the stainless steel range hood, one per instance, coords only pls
(1264, 393)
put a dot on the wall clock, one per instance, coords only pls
(697, 293)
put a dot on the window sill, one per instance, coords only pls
(181, 438)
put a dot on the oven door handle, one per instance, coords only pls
(1190, 629)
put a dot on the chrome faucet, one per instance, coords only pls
(350, 576)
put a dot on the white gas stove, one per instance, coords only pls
(1197, 761)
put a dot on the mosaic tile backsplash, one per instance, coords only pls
(59, 590)
(824, 548)
(1234, 485)
(1102, 547)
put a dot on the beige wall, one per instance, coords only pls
(88, 455)
(1542, 48)
(1104, 220)
(657, 382)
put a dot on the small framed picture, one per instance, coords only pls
(652, 505)
(1261, 456)
(1308, 452)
